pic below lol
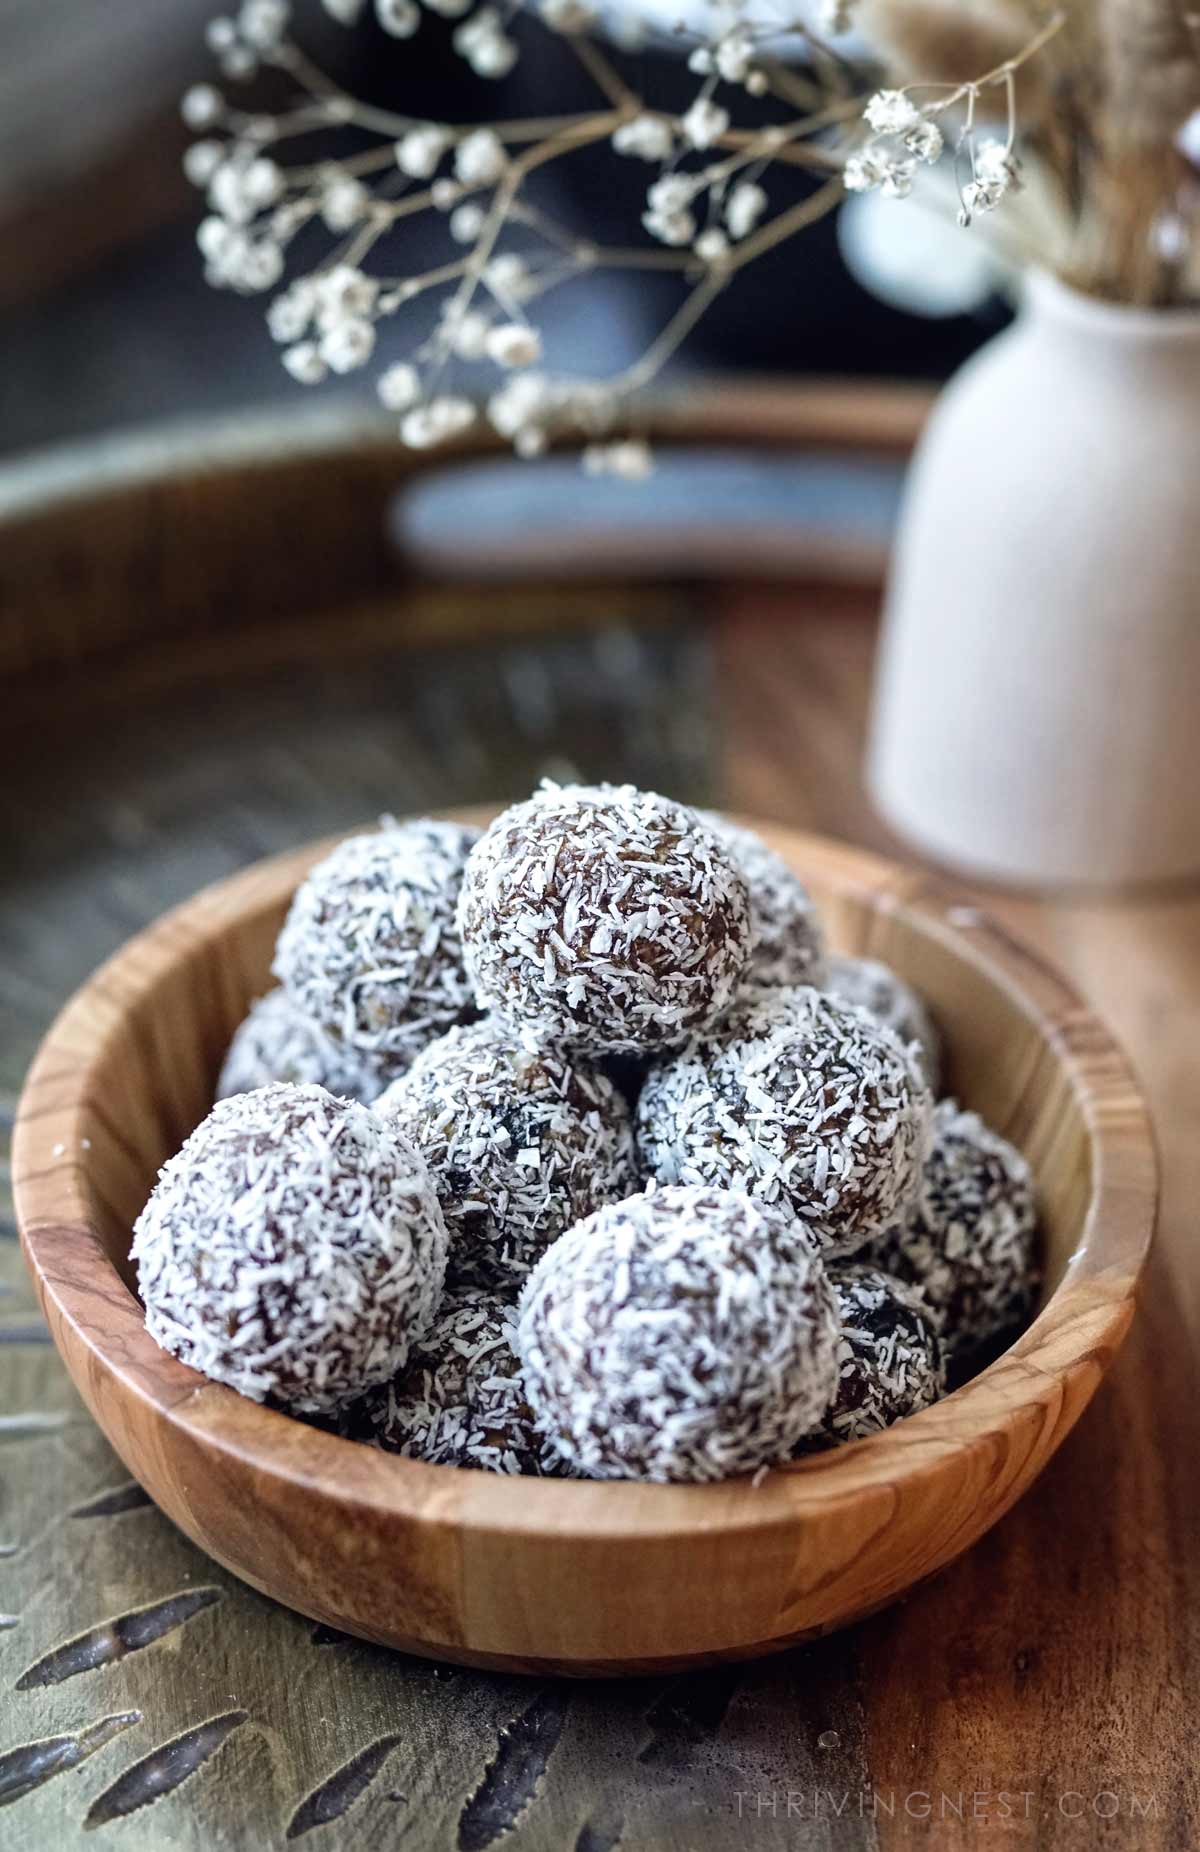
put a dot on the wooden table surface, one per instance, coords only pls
(1042, 1692)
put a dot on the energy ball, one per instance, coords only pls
(890, 1360)
(604, 919)
(810, 1104)
(459, 1401)
(294, 1248)
(278, 1042)
(883, 993)
(371, 951)
(688, 1334)
(519, 1144)
(787, 943)
(969, 1244)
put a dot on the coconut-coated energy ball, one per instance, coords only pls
(370, 950)
(460, 1400)
(278, 1042)
(293, 1248)
(969, 1243)
(688, 1334)
(604, 919)
(883, 993)
(787, 942)
(811, 1104)
(520, 1144)
(890, 1361)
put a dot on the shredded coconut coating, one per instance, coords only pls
(969, 1244)
(520, 1144)
(277, 1042)
(371, 951)
(810, 1103)
(787, 941)
(890, 1361)
(604, 919)
(293, 1248)
(460, 1400)
(884, 994)
(687, 1334)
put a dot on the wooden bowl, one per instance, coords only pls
(550, 1575)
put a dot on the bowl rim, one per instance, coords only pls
(93, 1314)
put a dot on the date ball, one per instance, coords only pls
(811, 1104)
(293, 1248)
(603, 919)
(520, 1144)
(370, 950)
(459, 1401)
(688, 1334)
(883, 993)
(787, 943)
(890, 1361)
(969, 1244)
(277, 1042)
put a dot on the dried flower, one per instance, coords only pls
(648, 138)
(514, 344)
(419, 152)
(479, 159)
(701, 209)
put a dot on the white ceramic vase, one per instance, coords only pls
(1037, 713)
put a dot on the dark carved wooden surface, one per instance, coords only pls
(148, 1698)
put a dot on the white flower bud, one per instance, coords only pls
(348, 344)
(711, 246)
(290, 313)
(705, 122)
(262, 23)
(466, 222)
(514, 344)
(479, 159)
(401, 18)
(744, 208)
(465, 330)
(304, 363)
(346, 12)
(430, 424)
(421, 149)
(344, 199)
(890, 112)
(645, 137)
(202, 160)
(202, 105)
(399, 387)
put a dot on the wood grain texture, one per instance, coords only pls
(1061, 1655)
(551, 1575)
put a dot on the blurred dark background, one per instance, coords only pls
(105, 320)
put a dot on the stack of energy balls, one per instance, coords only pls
(565, 1148)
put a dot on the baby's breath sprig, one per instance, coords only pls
(714, 201)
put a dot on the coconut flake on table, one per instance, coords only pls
(293, 1248)
(682, 1335)
(603, 918)
(801, 1100)
(371, 950)
(520, 1144)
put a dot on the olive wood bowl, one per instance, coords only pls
(557, 1575)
